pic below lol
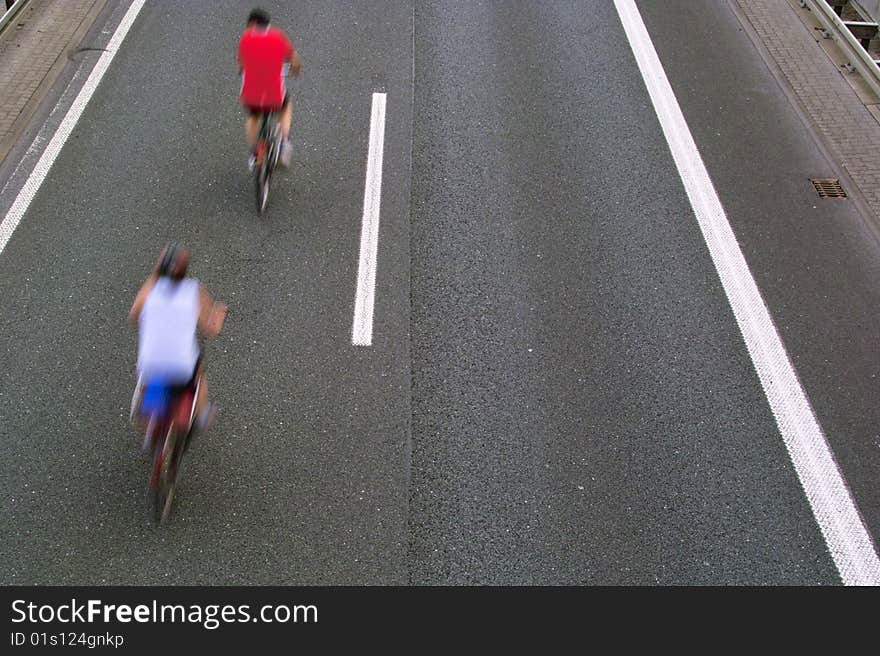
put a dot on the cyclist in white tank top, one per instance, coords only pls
(169, 310)
(167, 346)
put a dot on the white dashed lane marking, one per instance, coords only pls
(362, 330)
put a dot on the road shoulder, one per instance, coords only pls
(34, 48)
(837, 105)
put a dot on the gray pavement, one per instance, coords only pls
(303, 479)
(557, 391)
(816, 262)
(584, 409)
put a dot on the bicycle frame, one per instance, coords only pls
(179, 418)
(268, 136)
(166, 436)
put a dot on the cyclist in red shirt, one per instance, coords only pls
(263, 52)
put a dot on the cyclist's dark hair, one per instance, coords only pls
(259, 16)
(174, 262)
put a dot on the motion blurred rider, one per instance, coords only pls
(169, 310)
(263, 52)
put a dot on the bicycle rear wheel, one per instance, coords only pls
(263, 175)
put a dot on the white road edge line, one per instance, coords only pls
(41, 170)
(362, 330)
(849, 542)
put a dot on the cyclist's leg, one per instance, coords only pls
(284, 120)
(251, 128)
(204, 410)
(252, 133)
(285, 117)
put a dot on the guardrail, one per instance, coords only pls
(12, 8)
(834, 27)
(871, 8)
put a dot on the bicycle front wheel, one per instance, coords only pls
(155, 438)
(167, 477)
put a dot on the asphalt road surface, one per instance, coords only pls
(557, 391)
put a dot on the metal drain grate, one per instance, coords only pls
(828, 187)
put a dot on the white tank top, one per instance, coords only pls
(167, 346)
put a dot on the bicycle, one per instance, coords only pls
(266, 155)
(169, 413)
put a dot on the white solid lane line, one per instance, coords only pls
(362, 330)
(847, 538)
(41, 170)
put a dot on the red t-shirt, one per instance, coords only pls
(261, 55)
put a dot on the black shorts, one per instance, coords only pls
(255, 111)
(191, 383)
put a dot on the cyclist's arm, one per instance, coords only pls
(290, 57)
(238, 58)
(295, 64)
(211, 314)
(139, 300)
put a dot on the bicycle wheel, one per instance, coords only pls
(276, 146)
(264, 174)
(167, 476)
(262, 188)
(153, 492)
